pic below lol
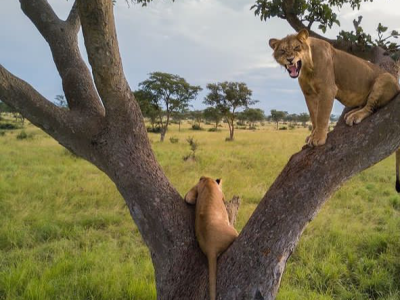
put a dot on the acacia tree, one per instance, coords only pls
(148, 108)
(277, 116)
(168, 91)
(104, 125)
(253, 115)
(228, 97)
(212, 114)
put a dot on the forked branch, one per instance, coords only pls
(63, 41)
(101, 43)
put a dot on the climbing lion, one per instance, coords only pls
(326, 73)
(213, 230)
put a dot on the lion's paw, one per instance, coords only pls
(316, 139)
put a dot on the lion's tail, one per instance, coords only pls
(397, 170)
(212, 275)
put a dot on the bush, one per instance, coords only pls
(8, 126)
(154, 130)
(252, 127)
(291, 127)
(213, 129)
(173, 139)
(228, 139)
(194, 145)
(196, 127)
(23, 135)
(240, 123)
(310, 127)
(283, 128)
(2, 133)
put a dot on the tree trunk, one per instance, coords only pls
(104, 125)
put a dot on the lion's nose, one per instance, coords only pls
(290, 59)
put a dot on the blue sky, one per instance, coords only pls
(201, 40)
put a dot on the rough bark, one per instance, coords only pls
(108, 130)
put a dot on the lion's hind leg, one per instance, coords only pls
(383, 90)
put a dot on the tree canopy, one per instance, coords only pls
(228, 97)
(167, 92)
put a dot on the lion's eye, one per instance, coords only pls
(282, 51)
(297, 48)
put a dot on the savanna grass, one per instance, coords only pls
(65, 232)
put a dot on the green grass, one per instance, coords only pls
(65, 232)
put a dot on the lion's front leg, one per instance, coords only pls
(324, 101)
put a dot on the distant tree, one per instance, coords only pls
(148, 108)
(291, 118)
(170, 93)
(212, 114)
(228, 97)
(197, 116)
(277, 116)
(303, 118)
(180, 115)
(253, 115)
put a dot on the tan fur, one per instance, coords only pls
(213, 230)
(327, 73)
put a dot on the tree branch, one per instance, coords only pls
(62, 39)
(101, 42)
(32, 105)
(73, 18)
(292, 202)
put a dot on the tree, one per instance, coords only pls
(197, 116)
(253, 115)
(60, 101)
(104, 125)
(228, 97)
(277, 116)
(212, 114)
(303, 118)
(148, 108)
(170, 92)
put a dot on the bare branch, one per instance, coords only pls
(32, 105)
(73, 18)
(101, 42)
(62, 39)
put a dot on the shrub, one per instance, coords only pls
(8, 126)
(213, 129)
(291, 127)
(310, 127)
(228, 139)
(154, 130)
(193, 147)
(23, 135)
(173, 139)
(2, 133)
(196, 127)
(283, 128)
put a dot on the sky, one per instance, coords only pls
(204, 41)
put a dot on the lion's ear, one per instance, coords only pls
(303, 35)
(273, 43)
(191, 196)
(219, 181)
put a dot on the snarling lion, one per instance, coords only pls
(326, 73)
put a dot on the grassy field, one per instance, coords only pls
(65, 232)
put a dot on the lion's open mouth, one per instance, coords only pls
(294, 69)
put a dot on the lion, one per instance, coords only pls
(213, 230)
(326, 73)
